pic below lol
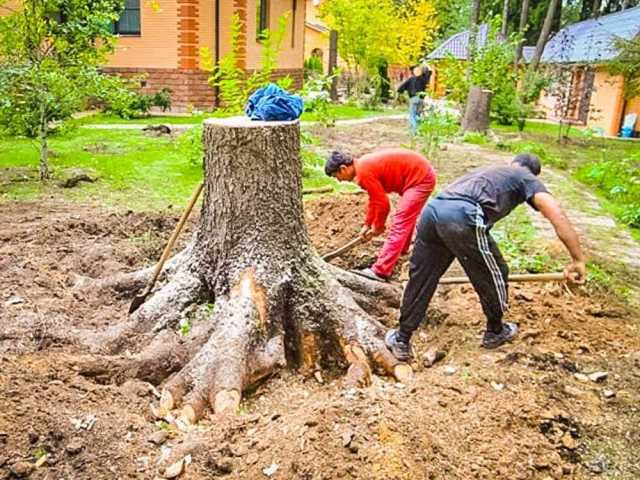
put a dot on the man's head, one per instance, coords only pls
(340, 165)
(529, 161)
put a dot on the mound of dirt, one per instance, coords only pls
(529, 410)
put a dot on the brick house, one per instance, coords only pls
(596, 97)
(164, 44)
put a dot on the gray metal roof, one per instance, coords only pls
(590, 41)
(456, 46)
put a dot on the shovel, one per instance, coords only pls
(140, 299)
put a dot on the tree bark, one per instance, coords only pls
(44, 148)
(476, 115)
(262, 297)
(544, 34)
(505, 19)
(333, 64)
(524, 17)
(595, 11)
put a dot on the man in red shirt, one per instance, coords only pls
(397, 170)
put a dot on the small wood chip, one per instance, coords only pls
(175, 469)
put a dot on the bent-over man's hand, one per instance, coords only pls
(576, 272)
(364, 233)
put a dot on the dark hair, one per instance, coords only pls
(529, 161)
(336, 160)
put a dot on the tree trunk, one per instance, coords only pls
(259, 295)
(476, 114)
(333, 64)
(544, 34)
(595, 11)
(524, 17)
(505, 18)
(44, 149)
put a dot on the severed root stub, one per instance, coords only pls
(269, 300)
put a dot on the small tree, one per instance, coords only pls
(394, 32)
(230, 78)
(50, 51)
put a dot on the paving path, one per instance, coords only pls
(182, 126)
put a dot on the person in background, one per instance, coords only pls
(397, 170)
(457, 224)
(415, 86)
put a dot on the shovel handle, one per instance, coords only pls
(343, 249)
(518, 277)
(172, 239)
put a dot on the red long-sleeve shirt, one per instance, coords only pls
(393, 170)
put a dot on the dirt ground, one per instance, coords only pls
(530, 410)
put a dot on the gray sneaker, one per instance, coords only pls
(370, 274)
(494, 340)
(400, 350)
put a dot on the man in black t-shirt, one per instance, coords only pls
(415, 86)
(456, 224)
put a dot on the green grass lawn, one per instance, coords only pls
(340, 112)
(135, 171)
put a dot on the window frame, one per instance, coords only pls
(262, 18)
(115, 26)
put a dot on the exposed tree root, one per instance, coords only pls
(275, 301)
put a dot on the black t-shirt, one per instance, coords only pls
(415, 85)
(497, 190)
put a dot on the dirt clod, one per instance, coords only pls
(75, 446)
(21, 469)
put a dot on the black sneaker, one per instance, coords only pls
(494, 340)
(400, 350)
(370, 274)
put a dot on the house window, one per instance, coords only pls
(262, 18)
(129, 21)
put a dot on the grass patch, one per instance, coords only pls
(135, 171)
(518, 241)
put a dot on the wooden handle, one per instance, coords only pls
(518, 277)
(173, 238)
(343, 249)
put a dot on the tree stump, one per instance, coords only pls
(264, 298)
(476, 114)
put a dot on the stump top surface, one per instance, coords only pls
(242, 121)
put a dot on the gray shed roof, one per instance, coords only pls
(456, 46)
(590, 41)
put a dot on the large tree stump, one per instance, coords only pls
(476, 113)
(268, 299)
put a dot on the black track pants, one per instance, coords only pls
(451, 229)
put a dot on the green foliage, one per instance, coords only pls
(619, 181)
(312, 67)
(315, 94)
(184, 327)
(516, 237)
(435, 127)
(189, 144)
(394, 32)
(49, 68)
(492, 68)
(233, 84)
(627, 64)
(475, 138)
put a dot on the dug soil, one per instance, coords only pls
(528, 410)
